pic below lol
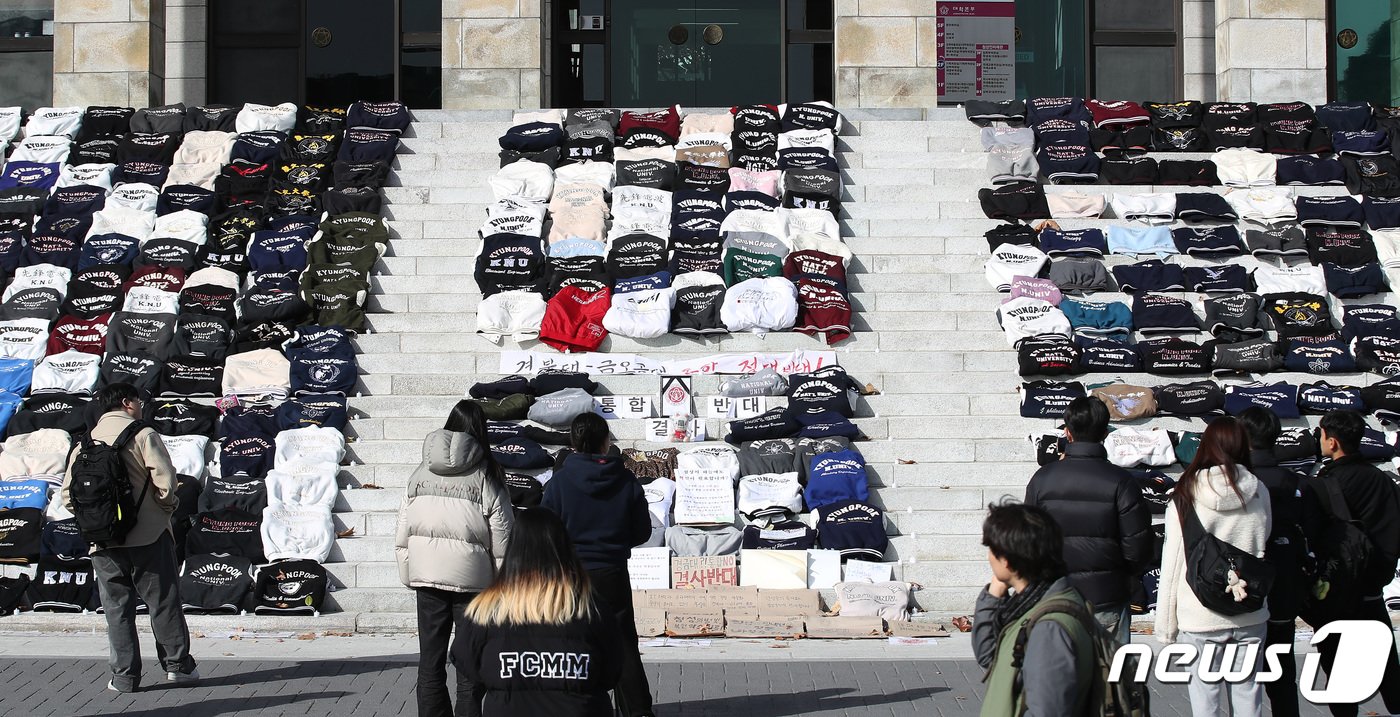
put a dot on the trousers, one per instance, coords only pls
(439, 612)
(1368, 608)
(150, 573)
(1241, 699)
(612, 588)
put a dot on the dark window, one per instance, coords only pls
(26, 53)
(1099, 48)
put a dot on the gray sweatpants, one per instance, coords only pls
(150, 572)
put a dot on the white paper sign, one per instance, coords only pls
(864, 571)
(611, 407)
(532, 362)
(724, 407)
(823, 568)
(773, 569)
(704, 497)
(650, 568)
(671, 430)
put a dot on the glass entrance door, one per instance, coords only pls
(349, 51)
(700, 53)
(1361, 45)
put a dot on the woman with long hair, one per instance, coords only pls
(453, 529)
(1232, 505)
(535, 639)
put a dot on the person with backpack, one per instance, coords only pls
(120, 486)
(605, 513)
(1217, 505)
(1052, 676)
(540, 606)
(1351, 516)
(1106, 525)
(453, 530)
(1286, 550)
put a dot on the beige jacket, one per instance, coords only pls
(454, 523)
(146, 460)
(1243, 524)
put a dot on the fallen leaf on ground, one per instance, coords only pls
(347, 533)
(907, 462)
(870, 390)
(337, 634)
(370, 486)
(307, 636)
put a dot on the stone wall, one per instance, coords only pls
(1271, 50)
(491, 54)
(186, 51)
(886, 54)
(109, 52)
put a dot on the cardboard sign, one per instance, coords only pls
(704, 497)
(691, 572)
(845, 627)
(917, 629)
(695, 623)
(763, 627)
(614, 407)
(677, 396)
(864, 571)
(650, 621)
(823, 568)
(650, 568)
(778, 569)
(787, 603)
(733, 599)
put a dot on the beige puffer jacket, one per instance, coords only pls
(454, 523)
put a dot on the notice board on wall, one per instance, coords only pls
(976, 50)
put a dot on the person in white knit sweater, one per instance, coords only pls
(1233, 506)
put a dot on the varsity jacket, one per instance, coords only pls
(454, 522)
(146, 462)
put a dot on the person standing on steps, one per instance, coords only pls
(142, 564)
(605, 513)
(453, 529)
(1106, 525)
(1284, 551)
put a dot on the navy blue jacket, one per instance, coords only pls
(602, 506)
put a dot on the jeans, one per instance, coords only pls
(1283, 692)
(1117, 622)
(1242, 699)
(149, 572)
(1370, 608)
(612, 589)
(439, 611)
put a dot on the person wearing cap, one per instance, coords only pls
(1099, 507)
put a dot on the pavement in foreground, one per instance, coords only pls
(244, 675)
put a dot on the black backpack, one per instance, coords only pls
(1209, 562)
(1344, 549)
(103, 501)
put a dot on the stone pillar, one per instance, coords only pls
(1198, 49)
(109, 52)
(1271, 50)
(491, 55)
(886, 54)
(186, 51)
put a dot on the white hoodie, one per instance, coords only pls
(296, 531)
(1244, 524)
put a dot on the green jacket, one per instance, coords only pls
(1057, 644)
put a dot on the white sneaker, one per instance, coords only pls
(113, 687)
(183, 678)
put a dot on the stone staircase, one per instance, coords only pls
(945, 438)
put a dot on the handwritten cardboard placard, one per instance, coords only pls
(650, 568)
(691, 572)
(704, 497)
(763, 627)
(735, 599)
(695, 623)
(789, 603)
(650, 621)
(778, 569)
(917, 629)
(845, 627)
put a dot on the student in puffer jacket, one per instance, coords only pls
(452, 533)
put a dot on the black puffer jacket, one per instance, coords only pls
(1106, 524)
(1286, 545)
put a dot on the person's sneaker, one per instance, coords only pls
(113, 687)
(183, 678)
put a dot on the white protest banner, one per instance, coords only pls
(532, 362)
(704, 497)
(611, 407)
(650, 568)
(724, 407)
